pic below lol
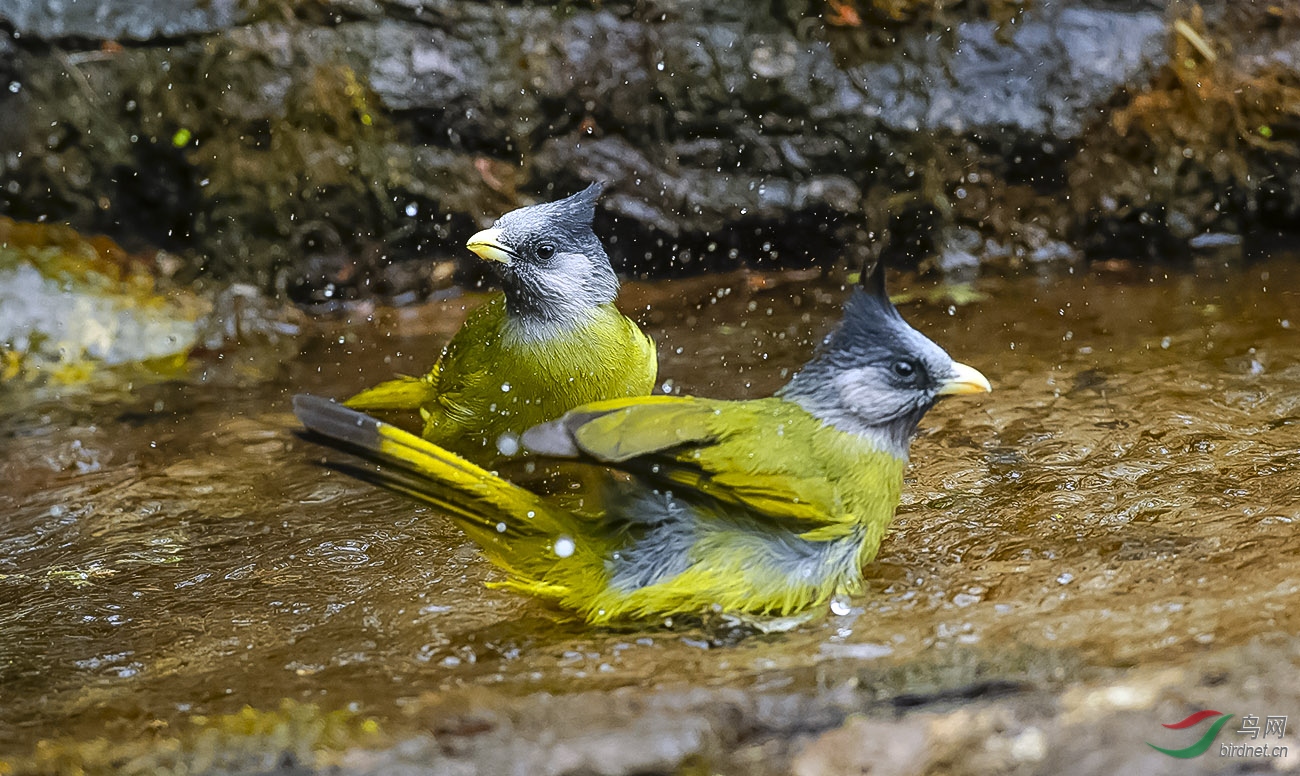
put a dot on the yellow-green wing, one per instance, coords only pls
(620, 430)
(462, 387)
(767, 455)
(440, 395)
(400, 393)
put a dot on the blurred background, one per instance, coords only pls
(207, 206)
(339, 149)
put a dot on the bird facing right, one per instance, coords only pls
(761, 507)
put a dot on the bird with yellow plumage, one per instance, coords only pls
(551, 340)
(767, 507)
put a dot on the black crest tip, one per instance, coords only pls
(873, 281)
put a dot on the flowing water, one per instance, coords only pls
(1127, 496)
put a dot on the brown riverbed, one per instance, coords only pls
(1106, 543)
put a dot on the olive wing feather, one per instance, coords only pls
(728, 451)
(463, 384)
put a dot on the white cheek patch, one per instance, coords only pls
(572, 266)
(849, 394)
(858, 388)
(862, 393)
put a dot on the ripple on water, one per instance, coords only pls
(1126, 494)
(345, 553)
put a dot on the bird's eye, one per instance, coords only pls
(904, 368)
(545, 251)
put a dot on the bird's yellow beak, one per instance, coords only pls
(964, 380)
(487, 244)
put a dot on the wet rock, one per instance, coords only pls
(143, 20)
(864, 745)
(1101, 724)
(1047, 77)
(69, 306)
(728, 136)
(1212, 240)
(960, 252)
(661, 743)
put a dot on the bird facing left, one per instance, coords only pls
(550, 341)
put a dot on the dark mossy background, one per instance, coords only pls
(336, 148)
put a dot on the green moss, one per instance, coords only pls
(180, 144)
(250, 739)
(70, 306)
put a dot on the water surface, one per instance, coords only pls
(1126, 496)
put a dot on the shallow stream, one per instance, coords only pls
(1127, 496)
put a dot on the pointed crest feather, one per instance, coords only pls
(873, 282)
(584, 202)
(868, 306)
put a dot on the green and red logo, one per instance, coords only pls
(1205, 742)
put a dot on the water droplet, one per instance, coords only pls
(412, 209)
(564, 547)
(501, 527)
(508, 444)
(505, 387)
(840, 605)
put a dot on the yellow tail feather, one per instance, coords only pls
(513, 526)
(402, 393)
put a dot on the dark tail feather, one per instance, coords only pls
(336, 422)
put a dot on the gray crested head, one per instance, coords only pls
(552, 265)
(876, 376)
